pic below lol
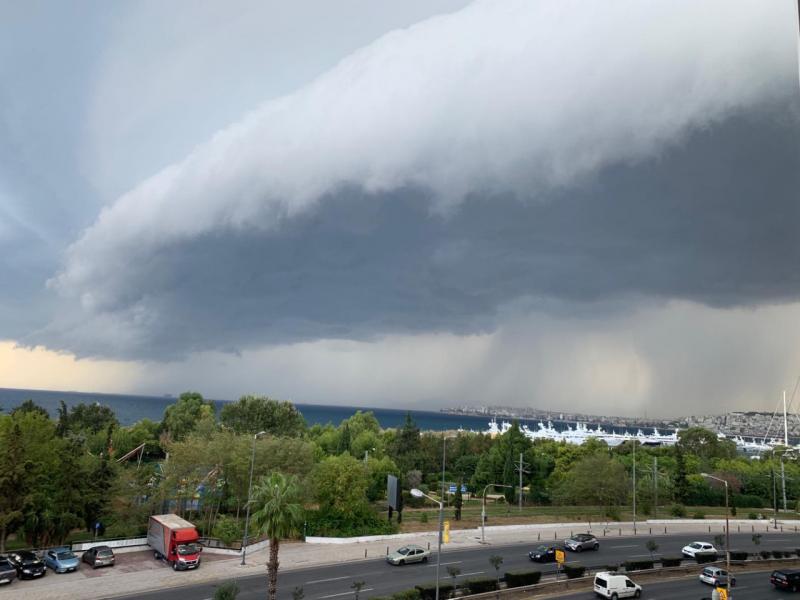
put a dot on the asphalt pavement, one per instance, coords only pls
(380, 578)
(749, 586)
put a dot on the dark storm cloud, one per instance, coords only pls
(713, 221)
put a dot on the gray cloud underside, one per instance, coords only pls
(713, 221)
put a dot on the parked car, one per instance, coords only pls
(543, 554)
(698, 548)
(408, 554)
(716, 577)
(27, 564)
(581, 542)
(786, 579)
(61, 560)
(7, 571)
(99, 556)
(612, 585)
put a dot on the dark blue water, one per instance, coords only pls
(130, 409)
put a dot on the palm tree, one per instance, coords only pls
(278, 515)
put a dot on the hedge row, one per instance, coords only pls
(481, 585)
(427, 591)
(671, 561)
(522, 578)
(638, 565)
(705, 557)
(574, 570)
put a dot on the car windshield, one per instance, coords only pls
(4, 563)
(188, 549)
(696, 545)
(404, 551)
(65, 555)
(105, 553)
(541, 549)
(30, 561)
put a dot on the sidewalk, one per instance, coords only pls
(93, 585)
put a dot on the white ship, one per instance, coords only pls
(581, 432)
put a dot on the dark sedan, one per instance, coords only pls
(543, 554)
(99, 556)
(27, 564)
(7, 571)
(786, 579)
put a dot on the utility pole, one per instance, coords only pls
(521, 468)
(786, 446)
(441, 517)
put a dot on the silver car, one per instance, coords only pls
(7, 571)
(408, 554)
(716, 576)
(582, 541)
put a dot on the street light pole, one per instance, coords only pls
(249, 492)
(420, 494)
(727, 535)
(483, 509)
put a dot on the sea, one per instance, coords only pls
(131, 408)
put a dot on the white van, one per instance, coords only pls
(611, 585)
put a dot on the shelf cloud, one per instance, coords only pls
(540, 156)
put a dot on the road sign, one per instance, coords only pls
(446, 533)
(723, 593)
(560, 557)
(452, 489)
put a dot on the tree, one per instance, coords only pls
(597, 480)
(278, 515)
(357, 587)
(86, 418)
(252, 414)
(13, 480)
(29, 406)
(227, 591)
(182, 417)
(454, 572)
(652, 546)
(680, 476)
(340, 484)
(406, 447)
(705, 444)
(496, 561)
(458, 500)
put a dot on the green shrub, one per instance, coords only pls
(574, 570)
(521, 578)
(678, 510)
(423, 518)
(408, 595)
(638, 565)
(705, 557)
(227, 529)
(733, 511)
(427, 591)
(765, 554)
(612, 568)
(738, 555)
(330, 523)
(672, 561)
(752, 516)
(699, 514)
(778, 553)
(749, 501)
(227, 591)
(481, 585)
(613, 514)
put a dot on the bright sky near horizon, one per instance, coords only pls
(423, 204)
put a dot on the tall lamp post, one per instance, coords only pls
(727, 534)
(249, 492)
(483, 508)
(420, 494)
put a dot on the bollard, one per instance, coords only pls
(752, 528)
(651, 531)
(665, 531)
(555, 535)
(620, 532)
(739, 529)
(709, 529)
(387, 550)
(539, 537)
(365, 553)
(429, 545)
(781, 528)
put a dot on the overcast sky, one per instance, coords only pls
(558, 204)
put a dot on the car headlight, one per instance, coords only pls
(26, 570)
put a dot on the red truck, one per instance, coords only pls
(174, 540)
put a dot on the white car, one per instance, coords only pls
(698, 548)
(614, 586)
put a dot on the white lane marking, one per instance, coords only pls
(474, 573)
(455, 562)
(344, 594)
(325, 580)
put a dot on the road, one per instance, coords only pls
(380, 578)
(749, 586)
